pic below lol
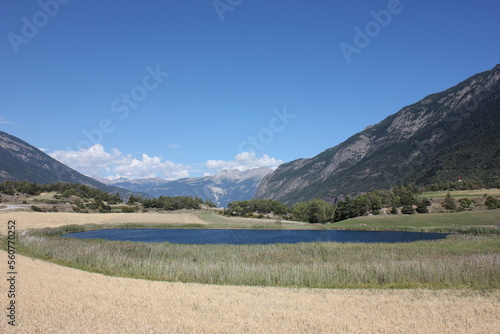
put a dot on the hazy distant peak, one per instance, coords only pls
(243, 175)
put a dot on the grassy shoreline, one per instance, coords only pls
(458, 262)
(461, 261)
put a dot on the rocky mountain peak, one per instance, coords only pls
(420, 143)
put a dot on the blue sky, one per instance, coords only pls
(187, 88)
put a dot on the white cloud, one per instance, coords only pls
(151, 167)
(96, 161)
(173, 146)
(4, 121)
(244, 161)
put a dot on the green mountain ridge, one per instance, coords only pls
(445, 135)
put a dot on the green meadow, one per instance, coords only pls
(462, 193)
(462, 222)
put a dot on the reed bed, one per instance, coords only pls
(460, 261)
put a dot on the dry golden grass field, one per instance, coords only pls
(55, 299)
(29, 220)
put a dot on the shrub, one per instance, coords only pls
(466, 203)
(127, 209)
(426, 202)
(408, 210)
(36, 208)
(422, 208)
(492, 203)
(104, 209)
(422, 205)
(67, 193)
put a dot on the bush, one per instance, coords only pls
(408, 210)
(466, 203)
(67, 193)
(426, 202)
(422, 205)
(255, 206)
(79, 204)
(127, 209)
(422, 208)
(492, 203)
(104, 209)
(36, 208)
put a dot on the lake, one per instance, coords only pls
(241, 237)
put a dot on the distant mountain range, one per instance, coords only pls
(221, 189)
(21, 161)
(445, 135)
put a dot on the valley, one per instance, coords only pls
(269, 167)
(417, 170)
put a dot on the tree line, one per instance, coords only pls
(100, 200)
(168, 203)
(399, 199)
(319, 211)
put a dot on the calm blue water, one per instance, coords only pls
(240, 237)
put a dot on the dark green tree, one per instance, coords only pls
(449, 203)
(422, 207)
(407, 210)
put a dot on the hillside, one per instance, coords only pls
(20, 161)
(443, 136)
